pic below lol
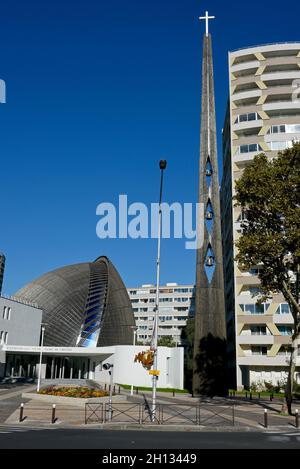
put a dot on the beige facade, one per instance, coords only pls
(263, 115)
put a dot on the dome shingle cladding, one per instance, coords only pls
(83, 305)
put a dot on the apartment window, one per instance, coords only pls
(255, 308)
(283, 308)
(5, 337)
(164, 300)
(276, 129)
(285, 330)
(181, 290)
(284, 350)
(135, 301)
(288, 129)
(1, 337)
(259, 350)
(4, 312)
(135, 310)
(252, 147)
(132, 292)
(291, 129)
(280, 145)
(251, 116)
(258, 330)
(255, 290)
(8, 313)
(143, 327)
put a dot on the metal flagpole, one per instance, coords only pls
(162, 166)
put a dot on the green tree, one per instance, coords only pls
(269, 194)
(166, 341)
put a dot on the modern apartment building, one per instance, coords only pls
(176, 305)
(263, 115)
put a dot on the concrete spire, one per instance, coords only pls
(209, 374)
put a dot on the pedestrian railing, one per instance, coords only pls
(214, 414)
(179, 414)
(94, 413)
(123, 413)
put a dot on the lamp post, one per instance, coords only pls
(135, 328)
(41, 357)
(110, 368)
(162, 166)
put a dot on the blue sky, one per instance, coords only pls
(97, 93)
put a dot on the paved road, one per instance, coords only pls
(10, 398)
(16, 438)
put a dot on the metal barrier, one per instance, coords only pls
(166, 414)
(214, 414)
(180, 414)
(123, 413)
(94, 413)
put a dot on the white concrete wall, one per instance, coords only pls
(126, 371)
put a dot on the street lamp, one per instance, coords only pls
(162, 166)
(41, 357)
(135, 328)
(109, 367)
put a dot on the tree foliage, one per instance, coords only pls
(166, 341)
(269, 195)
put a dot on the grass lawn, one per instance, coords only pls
(141, 388)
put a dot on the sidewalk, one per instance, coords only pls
(175, 413)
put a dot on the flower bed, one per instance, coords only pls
(83, 392)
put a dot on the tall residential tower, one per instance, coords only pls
(263, 115)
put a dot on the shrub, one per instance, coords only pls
(83, 392)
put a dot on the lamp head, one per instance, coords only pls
(162, 164)
(107, 366)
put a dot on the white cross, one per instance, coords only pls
(206, 18)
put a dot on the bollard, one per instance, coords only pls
(296, 418)
(105, 387)
(114, 389)
(53, 413)
(246, 394)
(271, 396)
(173, 393)
(137, 390)
(119, 392)
(259, 395)
(266, 418)
(21, 412)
